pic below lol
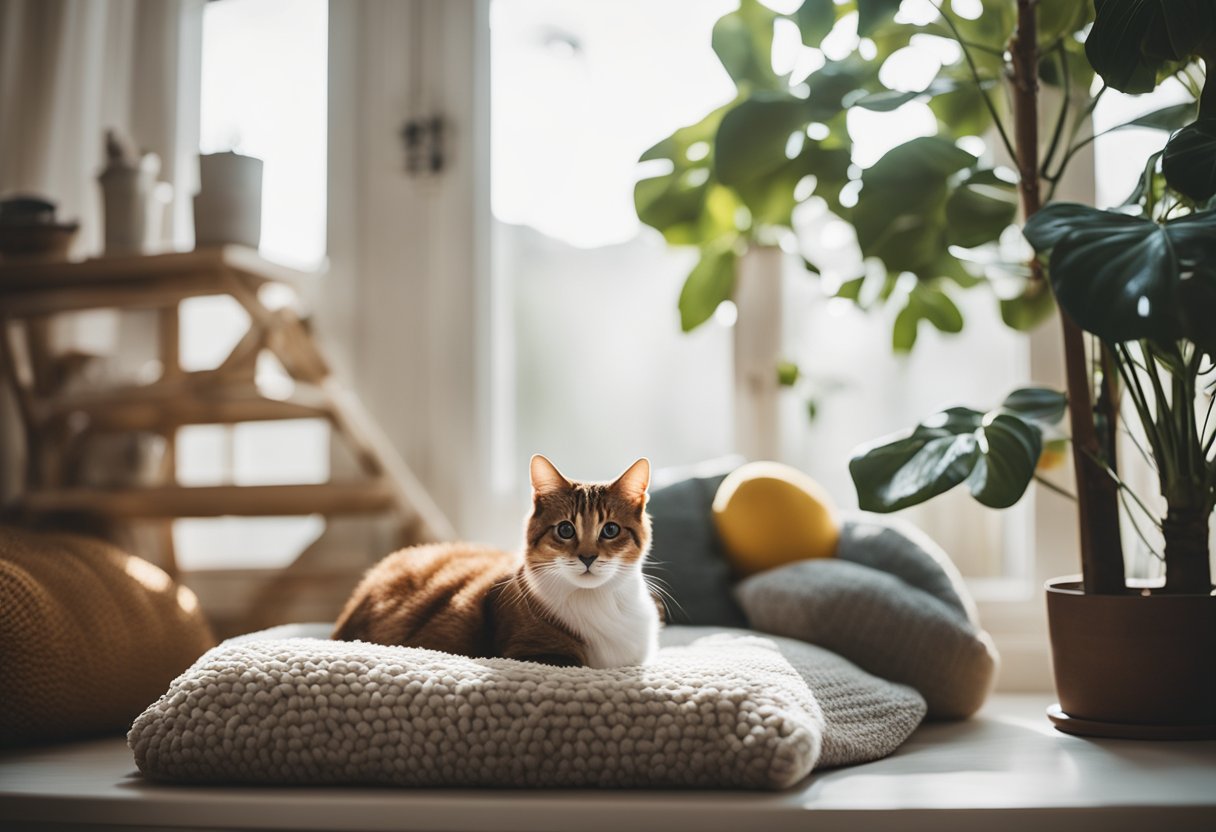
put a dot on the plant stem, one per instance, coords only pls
(1097, 494)
(1187, 568)
(1051, 486)
(1063, 116)
(979, 82)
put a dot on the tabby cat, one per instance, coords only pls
(575, 596)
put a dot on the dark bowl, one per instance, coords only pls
(36, 241)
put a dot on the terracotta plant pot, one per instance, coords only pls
(1140, 665)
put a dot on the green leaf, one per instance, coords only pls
(952, 269)
(907, 470)
(752, 138)
(1025, 312)
(993, 29)
(710, 282)
(1189, 162)
(851, 289)
(679, 203)
(787, 373)
(1041, 405)
(812, 410)
(938, 309)
(832, 82)
(743, 42)
(979, 210)
(904, 331)
(1122, 277)
(1167, 118)
(888, 100)
(994, 453)
(961, 111)
(1132, 40)
(873, 13)
(925, 303)
(1080, 75)
(815, 18)
(1010, 452)
(1057, 19)
(900, 213)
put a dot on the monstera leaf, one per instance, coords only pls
(1125, 278)
(1189, 162)
(1133, 42)
(994, 453)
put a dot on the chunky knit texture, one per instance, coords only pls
(891, 602)
(88, 636)
(717, 709)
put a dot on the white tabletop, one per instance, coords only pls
(1006, 769)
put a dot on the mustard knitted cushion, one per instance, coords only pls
(89, 636)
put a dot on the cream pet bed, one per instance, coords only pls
(724, 709)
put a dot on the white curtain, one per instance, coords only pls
(70, 70)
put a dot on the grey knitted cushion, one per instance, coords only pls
(727, 709)
(890, 601)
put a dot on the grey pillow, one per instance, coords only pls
(716, 709)
(687, 557)
(891, 602)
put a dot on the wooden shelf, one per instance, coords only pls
(136, 268)
(169, 405)
(364, 497)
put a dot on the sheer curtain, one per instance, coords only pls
(70, 70)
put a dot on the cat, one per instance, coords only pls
(575, 596)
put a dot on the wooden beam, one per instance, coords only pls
(162, 416)
(168, 336)
(188, 401)
(146, 294)
(41, 276)
(218, 500)
(372, 447)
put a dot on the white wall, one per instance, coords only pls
(406, 297)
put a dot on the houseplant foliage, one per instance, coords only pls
(1135, 283)
(1141, 278)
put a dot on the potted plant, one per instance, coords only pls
(1136, 287)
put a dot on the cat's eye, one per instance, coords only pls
(610, 531)
(565, 530)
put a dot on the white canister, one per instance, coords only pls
(228, 207)
(134, 205)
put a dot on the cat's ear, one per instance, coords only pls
(634, 482)
(545, 476)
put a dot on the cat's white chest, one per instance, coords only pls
(618, 624)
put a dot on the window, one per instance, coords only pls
(579, 91)
(264, 94)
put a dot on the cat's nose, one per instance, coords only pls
(588, 560)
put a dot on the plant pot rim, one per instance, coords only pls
(1072, 585)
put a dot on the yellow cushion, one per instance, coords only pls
(89, 636)
(768, 514)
